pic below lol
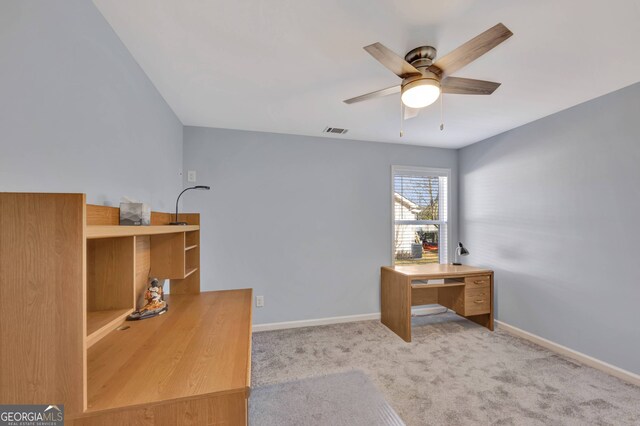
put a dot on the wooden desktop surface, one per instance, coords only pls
(437, 270)
(201, 346)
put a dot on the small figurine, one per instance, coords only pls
(155, 304)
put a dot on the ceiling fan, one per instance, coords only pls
(423, 79)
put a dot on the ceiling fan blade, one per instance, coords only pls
(377, 94)
(472, 50)
(411, 112)
(468, 86)
(393, 62)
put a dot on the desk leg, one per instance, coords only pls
(485, 320)
(395, 300)
(490, 327)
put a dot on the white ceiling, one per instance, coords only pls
(286, 65)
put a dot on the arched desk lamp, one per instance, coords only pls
(460, 251)
(199, 187)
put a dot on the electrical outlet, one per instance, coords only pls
(191, 176)
(259, 301)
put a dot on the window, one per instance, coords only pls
(420, 215)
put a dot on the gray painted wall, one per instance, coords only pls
(305, 221)
(77, 113)
(554, 208)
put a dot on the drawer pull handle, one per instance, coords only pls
(479, 301)
(479, 281)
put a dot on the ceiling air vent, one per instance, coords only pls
(335, 130)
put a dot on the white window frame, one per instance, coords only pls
(425, 171)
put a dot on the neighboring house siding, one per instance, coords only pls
(404, 234)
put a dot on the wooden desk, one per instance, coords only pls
(194, 361)
(466, 290)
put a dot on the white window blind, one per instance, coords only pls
(420, 215)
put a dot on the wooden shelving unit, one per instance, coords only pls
(69, 276)
(121, 258)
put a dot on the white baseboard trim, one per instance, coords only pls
(618, 372)
(332, 320)
(314, 322)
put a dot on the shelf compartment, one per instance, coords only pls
(110, 284)
(110, 273)
(436, 291)
(191, 259)
(449, 282)
(100, 323)
(168, 256)
(192, 237)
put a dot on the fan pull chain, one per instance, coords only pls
(401, 118)
(441, 113)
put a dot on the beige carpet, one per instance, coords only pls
(453, 373)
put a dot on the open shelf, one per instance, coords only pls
(99, 323)
(190, 271)
(109, 231)
(436, 283)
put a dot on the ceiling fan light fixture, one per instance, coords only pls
(420, 93)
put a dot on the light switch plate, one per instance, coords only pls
(191, 176)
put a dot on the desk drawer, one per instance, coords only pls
(477, 301)
(476, 282)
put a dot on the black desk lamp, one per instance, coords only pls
(200, 187)
(460, 251)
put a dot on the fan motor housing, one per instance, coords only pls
(426, 75)
(422, 56)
